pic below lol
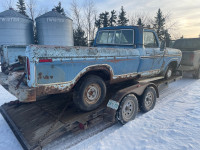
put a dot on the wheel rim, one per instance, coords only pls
(128, 110)
(92, 93)
(149, 100)
(169, 73)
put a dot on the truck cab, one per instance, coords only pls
(145, 41)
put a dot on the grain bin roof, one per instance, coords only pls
(53, 14)
(190, 44)
(12, 13)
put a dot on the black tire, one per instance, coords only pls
(169, 72)
(128, 109)
(148, 99)
(196, 74)
(89, 93)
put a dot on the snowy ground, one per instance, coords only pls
(173, 124)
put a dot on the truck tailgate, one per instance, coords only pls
(23, 92)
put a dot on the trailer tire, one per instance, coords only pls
(128, 109)
(196, 74)
(148, 99)
(89, 93)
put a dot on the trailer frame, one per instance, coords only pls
(37, 124)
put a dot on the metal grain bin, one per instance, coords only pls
(54, 29)
(15, 28)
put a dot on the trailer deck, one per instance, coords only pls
(39, 123)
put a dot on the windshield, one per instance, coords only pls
(118, 37)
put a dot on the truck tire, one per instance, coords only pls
(128, 109)
(196, 74)
(169, 72)
(89, 93)
(148, 99)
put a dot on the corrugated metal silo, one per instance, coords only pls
(54, 29)
(15, 28)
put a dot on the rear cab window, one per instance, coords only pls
(116, 37)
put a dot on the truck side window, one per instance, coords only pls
(150, 40)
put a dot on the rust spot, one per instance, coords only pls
(46, 77)
(40, 75)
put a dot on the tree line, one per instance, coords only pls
(86, 22)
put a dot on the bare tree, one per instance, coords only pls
(90, 13)
(31, 8)
(145, 18)
(76, 11)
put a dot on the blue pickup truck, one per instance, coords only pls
(119, 53)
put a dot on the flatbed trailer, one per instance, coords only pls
(38, 124)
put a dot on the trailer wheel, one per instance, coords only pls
(128, 109)
(196, 75)
(89, 93)
(169, 72)
(148, 99)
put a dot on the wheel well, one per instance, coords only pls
(101, 73)
(105, 75)
(173, 64)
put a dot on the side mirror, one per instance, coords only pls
(162, 45)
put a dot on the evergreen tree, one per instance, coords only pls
(102, 20)
(105, 19)
(159, 25)
(122, 21)
(79, 37)
(21, 7)
(59, 9)
(98, 22)
(113, 17)
(139, 22)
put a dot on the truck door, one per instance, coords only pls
(158, 53)
(150, 56)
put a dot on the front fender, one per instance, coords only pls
(170, 61)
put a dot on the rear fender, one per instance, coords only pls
(94, 68)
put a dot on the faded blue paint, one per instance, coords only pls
(70, 63)
(67, 70)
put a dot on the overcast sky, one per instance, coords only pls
(185, 13)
